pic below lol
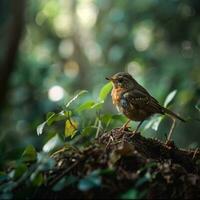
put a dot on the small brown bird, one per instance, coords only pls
(135, 102)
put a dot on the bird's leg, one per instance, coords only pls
(171, 130)
(135, 131)
(124, 126)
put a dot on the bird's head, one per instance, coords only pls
(122, 80)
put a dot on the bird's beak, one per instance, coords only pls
(109, 78)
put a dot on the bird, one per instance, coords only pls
(135, 102)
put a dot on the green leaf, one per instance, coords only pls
(71, 127)
(119, 117)
(97, 105)
(130, 194)
(106, 118)
(88, 130)
(157, 122)
(3, 176)
(86, 105)
(93, 180)
(19, 171)
(169, 97)
(37, 179)
(154, 122)
(197, 106)
(29, 154)
(53, 143)
(51, 117)
(56, 117)
(75, 97)
(45, 162)
(105, 91)
(40, 128)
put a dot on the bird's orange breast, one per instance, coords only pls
(116, 95)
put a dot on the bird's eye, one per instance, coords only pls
(120, 80)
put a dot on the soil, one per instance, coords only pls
(119, 164)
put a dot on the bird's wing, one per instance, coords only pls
(142, 100)
(136, 98)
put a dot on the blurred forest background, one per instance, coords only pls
(50, 49)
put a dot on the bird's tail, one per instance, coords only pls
(169, 112)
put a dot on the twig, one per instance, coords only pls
(171, 130)
(195, 152)
(98, 129)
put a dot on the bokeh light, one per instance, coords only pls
(142, 38)
(66, 48)
(62, 25)
(56, 93)
(134, 68)
(71, 69)
(87, 13)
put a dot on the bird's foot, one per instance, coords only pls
(124, 128)
(122, 131)
(134, 133)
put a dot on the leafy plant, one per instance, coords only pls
(70, 112)
(30, 167)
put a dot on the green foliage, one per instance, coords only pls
(105, 91)
(169, 98)
(91, 181)
(198, 106)
(24, 173)
(53, 143)
(29, 154)
(20, 169)
(37, 179)
(70, 110)
(75, 98)
(41, 162)
(131, 194)
(71, 127)
(86, 106)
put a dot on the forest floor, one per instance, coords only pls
(122, 165)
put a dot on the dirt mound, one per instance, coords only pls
(123, 165)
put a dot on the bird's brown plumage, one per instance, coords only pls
(133, 100)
